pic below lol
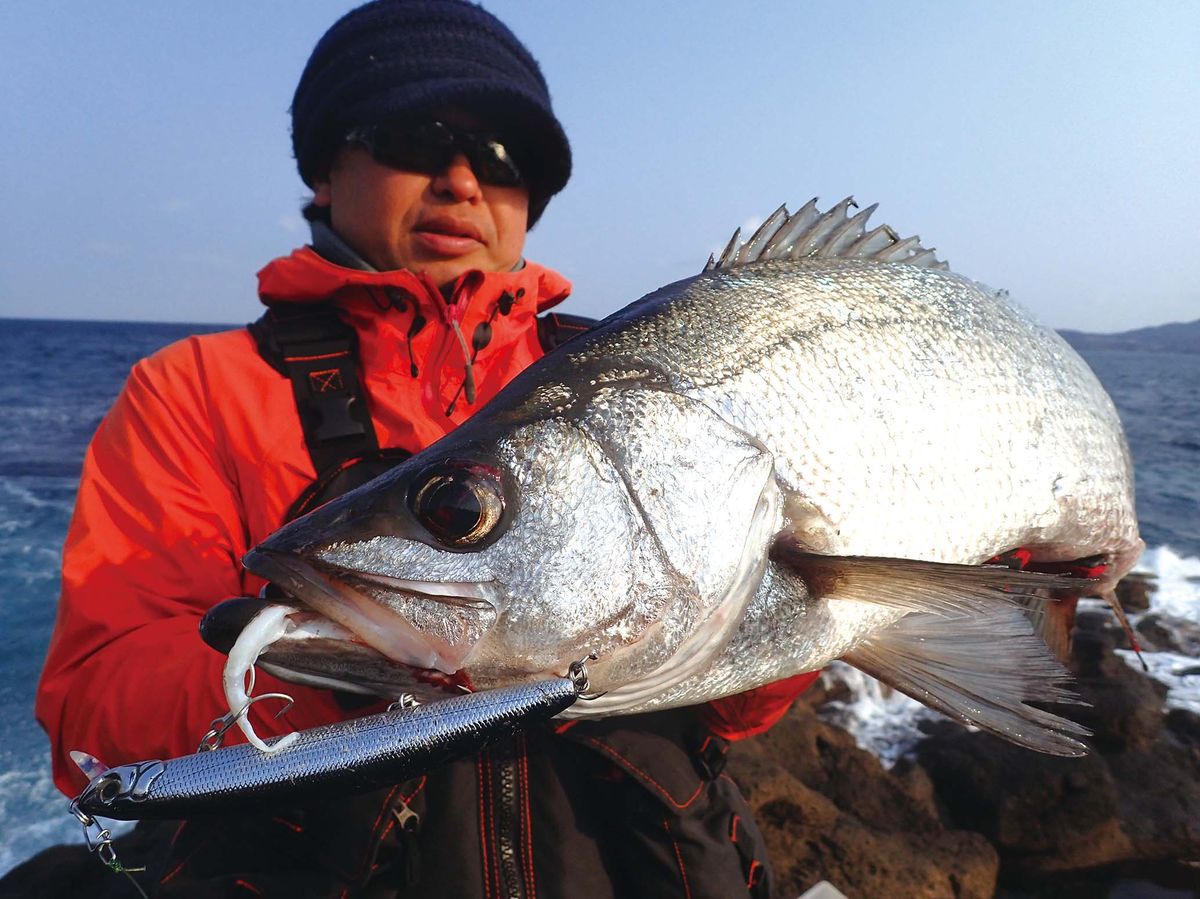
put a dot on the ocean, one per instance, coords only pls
(63, 375)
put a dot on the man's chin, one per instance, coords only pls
(444, 271)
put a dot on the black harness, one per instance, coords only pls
(318, 352)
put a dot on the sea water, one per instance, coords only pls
(60, 377)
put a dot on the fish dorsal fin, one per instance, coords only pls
(835, 234)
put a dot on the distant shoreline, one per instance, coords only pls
(1175, 337)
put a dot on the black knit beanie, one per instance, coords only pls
(392, 58)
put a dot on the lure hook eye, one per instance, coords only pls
(109, 789)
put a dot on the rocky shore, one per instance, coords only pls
(968, 815)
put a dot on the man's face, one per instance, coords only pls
(444, 224)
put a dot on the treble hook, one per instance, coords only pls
(214, 738)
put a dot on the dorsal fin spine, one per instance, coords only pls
(726, 254)
(847, 234)
(833, 234)
(898, 251)
(781, 244)
(760, 238)
(873, 241)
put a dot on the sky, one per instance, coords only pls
(1050, 149)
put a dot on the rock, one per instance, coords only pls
(973, 814)
(1125, 709)
(1039, 811)
(1134, 591)
(1164, 634)
(1136, 798)
(830, 811)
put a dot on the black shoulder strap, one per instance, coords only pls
(317, 352)
(555, 329)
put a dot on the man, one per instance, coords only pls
(425, 131)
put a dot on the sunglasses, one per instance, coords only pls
(430, 146)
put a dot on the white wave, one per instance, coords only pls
(28, 499)
(1178, 584)
(882, 721)
(888, 723)
(1180, 674)
(1176, 604)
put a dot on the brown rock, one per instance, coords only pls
(1039, 811)
(973, 804)
(1125, 707)
(1164, 635)
(1134, 591)
(830, 811)
(1135, 799)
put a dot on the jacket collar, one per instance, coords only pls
(410, 330)
(306, 276)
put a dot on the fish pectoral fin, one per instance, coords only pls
(1052, 621)
(941, 588)
(981, 670)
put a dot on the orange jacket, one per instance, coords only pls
(198, 461)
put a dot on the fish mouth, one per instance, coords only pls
(380, 610)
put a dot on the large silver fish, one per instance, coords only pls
(805, 453)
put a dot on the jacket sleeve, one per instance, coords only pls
(155, 540)
(755, 711)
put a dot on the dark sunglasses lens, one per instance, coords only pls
(426, 148)
(430, 147)
(490, 161)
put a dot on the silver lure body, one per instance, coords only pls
(355, 755)
(864, 407)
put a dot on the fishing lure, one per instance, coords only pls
(349, 756)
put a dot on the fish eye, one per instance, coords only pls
(459, 503)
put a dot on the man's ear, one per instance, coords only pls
(322, 195)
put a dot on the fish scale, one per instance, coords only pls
(804, 453)
(842, 366)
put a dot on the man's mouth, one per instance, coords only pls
(447, 236)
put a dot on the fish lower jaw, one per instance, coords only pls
(423, 683)
(385, 631)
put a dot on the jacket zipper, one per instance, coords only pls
(505, 801)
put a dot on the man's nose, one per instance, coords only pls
(457, 180)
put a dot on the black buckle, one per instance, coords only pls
(334, 418)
